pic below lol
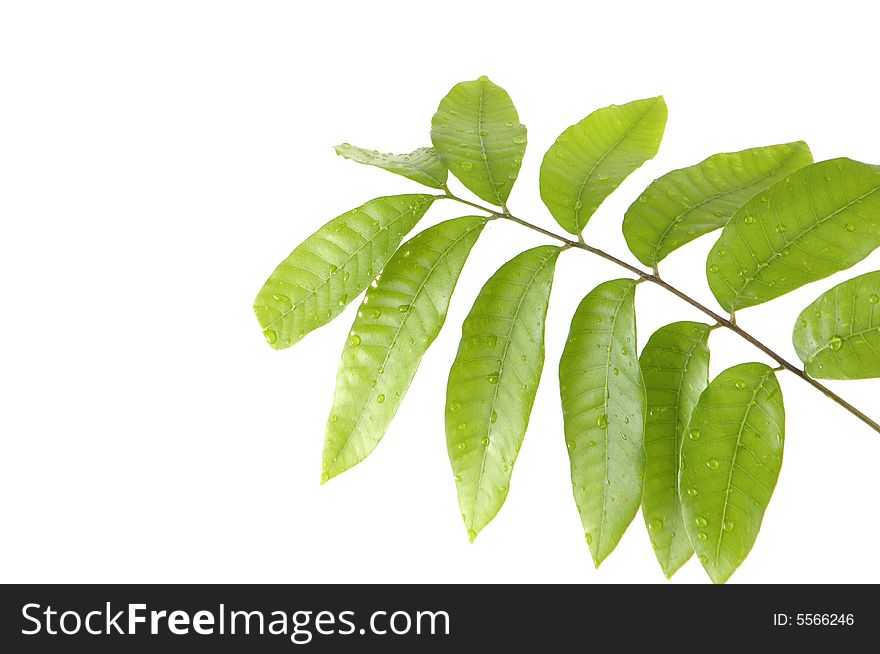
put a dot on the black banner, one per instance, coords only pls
(276, 618)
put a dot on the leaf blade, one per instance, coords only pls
(689, 202)
(675, 367)
(493, 382)
(730, 464)
(591, 158)
(604, 413)
(479, 138)
(818, 221)
(398, 320)
(838, 335)
(330, 268)
(422, 165)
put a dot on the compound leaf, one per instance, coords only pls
(603, 407)
(422, 165)
(730, 462)
(687, 203)
(493, 381)
(822, 219)
(590, 159)
(838, 335)
(333, 266)
(477, 133)
(675, 366)
(398, 320)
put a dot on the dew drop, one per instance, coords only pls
(334, 419)
(602, 421)
(702, 536)
(704, 559)
(692, 492)
(519, 139)
(571, 445)
(713, 268)
(457, 479)
(484, 132)
(461, 427)
(694, 435)
(835, 343)
(472, 535)
(380, 398)
(325, 477)
(874, 298)
(589, 538)
(355, 340)
(403, 308)
(342, 300)
(455, 405)
(850, 227)
(712, 464)
(728, 525)
(270, 336)
(466, 165)
(281, 298)
(492, 340)
(494, 417)
(656, 524)
(749, 220)
(375, 313)
(615, 371)
(702, 522)
(492, 378)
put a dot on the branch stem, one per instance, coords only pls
(654, 278)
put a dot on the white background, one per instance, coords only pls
(158, 159)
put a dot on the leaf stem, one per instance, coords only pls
(654, 277)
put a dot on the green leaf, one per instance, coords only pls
(398, 320)
(333, 266)
(603, 406)
(730, 462)
(422, 165)
(687, 203)
(590, 159)
(493, 382)
(822, 219)
(477, 133)
(838, 335)
(675, 366)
